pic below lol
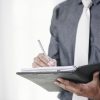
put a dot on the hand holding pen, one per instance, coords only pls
(42, 60)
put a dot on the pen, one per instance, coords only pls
(51, 62)
(40, 44)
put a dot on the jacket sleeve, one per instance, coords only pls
(53, 50)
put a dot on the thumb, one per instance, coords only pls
(96, 76)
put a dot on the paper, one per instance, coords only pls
(49, 69)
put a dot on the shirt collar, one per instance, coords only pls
(94, 1)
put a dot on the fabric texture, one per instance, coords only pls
(63, 34)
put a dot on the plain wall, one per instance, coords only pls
(22, 22)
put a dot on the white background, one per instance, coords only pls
(22, 22)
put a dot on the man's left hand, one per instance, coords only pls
(90, 90)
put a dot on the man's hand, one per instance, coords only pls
(90, 90)
(43, 60)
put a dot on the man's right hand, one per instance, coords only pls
(43, 60)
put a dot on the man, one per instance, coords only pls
(62, 46)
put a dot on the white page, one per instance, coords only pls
(49, 69)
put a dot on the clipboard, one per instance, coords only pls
(46, 76)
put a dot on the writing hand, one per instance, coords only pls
(43, 60)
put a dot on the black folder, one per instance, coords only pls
(46, 76)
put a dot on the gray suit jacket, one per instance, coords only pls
(63, 33)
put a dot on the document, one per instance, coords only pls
(49, 69)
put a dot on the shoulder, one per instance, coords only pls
(60, 8)
(62, 4)
(58, 11)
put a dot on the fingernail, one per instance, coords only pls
(59, 79)
(50, 63)
(56, 83)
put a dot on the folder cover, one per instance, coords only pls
(46, 76)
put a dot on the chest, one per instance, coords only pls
(67, 26)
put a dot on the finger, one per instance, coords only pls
(47, 60)
(39, 62)
(43, 58)
(96, 76)
(67, 88)
(34, 65)
(70, 86)
(52, 62)
(60, 84)
(67, 83)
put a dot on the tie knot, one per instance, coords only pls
(87, 3)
